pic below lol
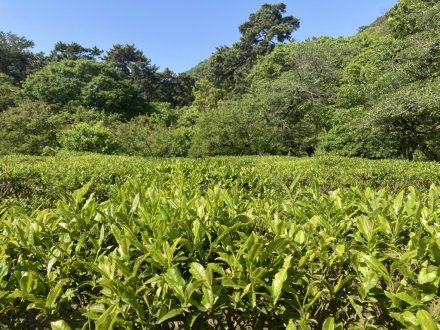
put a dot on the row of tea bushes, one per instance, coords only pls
(35, 181)
(174, 250)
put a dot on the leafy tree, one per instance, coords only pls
(412, 114)
(296, 84)
(182, 94)
(414, 16)
(393, 80)
(27, 128)
(206, 95)
(71, 116)
(167, 132)
(145, 137)
(164, 88)
(133, 64)
(200, 71)
(109, 93)
(16, 59)
(173, 89)
(8, 92)
(235, 128)
(266, 27)
(352, 133)
(130, 61)
(73, 51)
(87, 83)
(154, 86)
(229, 66)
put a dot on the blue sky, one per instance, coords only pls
(172, 33)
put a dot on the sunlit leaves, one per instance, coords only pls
(193, 243)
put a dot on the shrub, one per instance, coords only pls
(87, 137)
(168, 252)
(27, 128)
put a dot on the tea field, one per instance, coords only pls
(112, 242)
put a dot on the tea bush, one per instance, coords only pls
(220, 243)
(34, 181)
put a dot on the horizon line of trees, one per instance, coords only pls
(373, 95)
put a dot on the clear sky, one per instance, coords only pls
(173, 33)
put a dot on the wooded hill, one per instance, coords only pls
(375, 94)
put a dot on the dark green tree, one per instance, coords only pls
(73, 51)
(174, 89)
(229, 66)
(87, 83)
(133, 64)
(16, 58)
(8, 92)
(266, 27)
(27, 128)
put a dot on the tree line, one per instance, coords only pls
(375, 94)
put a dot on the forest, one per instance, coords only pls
(372, 95)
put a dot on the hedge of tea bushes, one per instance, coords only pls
(180, 250)
(35, 181)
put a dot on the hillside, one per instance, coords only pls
(372, 95)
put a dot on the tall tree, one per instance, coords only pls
(8, 92)
(132, 62)
(230, 65)
(87, 83)
(73, 51)
(16, 59)
(266, 27)
(163, 86)
(174, 89)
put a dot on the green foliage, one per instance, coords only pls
(73, 51)
(8, 92)
(133, 64)
(206, 95)
(16, 60)
(84, 82)
(87, 137)
(235, 128)
(34, 181)
(380, 27)
(27, 128)
(216, 244)
(371, 95)
(390, 89)
(412, 16)
(352, 134)
(107, 92)
(267, 26)
(229, 66)
(200, 71)
(413, 113)
(144, 137)
(167, 132)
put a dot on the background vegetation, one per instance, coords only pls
(373, 95)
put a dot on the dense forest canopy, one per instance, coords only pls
(375, 94)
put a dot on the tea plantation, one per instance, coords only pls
(112, 242)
